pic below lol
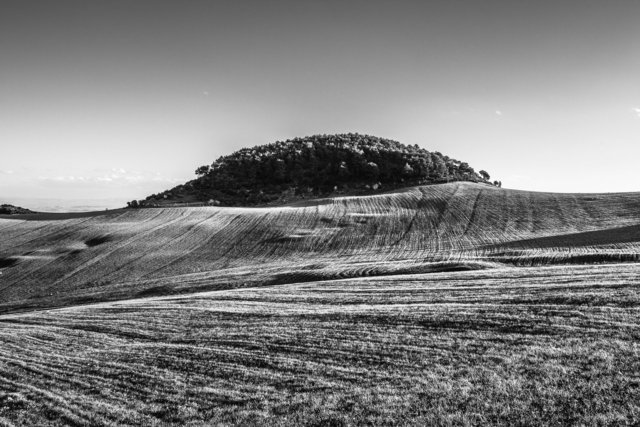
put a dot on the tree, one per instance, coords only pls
(424, 164)
(279, 170)
(440, 166)
(203, 170)
(371, 171)
(343, 171)
(485, 175)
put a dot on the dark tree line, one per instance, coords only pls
(6, 209)
(318, 165)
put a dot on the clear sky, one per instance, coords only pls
(119, 99)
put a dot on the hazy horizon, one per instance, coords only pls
(118, 100)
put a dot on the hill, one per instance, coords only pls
(128, 253)
(315, 166)
(6, 209)
(450, 304)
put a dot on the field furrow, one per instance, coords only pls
(475, 347)
(458, 223)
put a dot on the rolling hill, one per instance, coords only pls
(128, 253)
(314, 166)
(448, 304)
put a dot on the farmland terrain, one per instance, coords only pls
(450, 304)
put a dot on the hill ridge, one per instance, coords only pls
(315, 166)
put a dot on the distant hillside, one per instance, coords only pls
(315, 166)
(58, 259)
(13, 210)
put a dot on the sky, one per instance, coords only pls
(107, 101)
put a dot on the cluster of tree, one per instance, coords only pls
(317, 165)
(13, 210)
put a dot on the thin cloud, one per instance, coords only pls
(636, 110)
(114, 176)
(498, 113)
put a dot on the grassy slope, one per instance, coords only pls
(502, 345)
(126, 254)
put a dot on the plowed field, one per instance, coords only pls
(456, 304)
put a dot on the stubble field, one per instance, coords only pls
(457, 304)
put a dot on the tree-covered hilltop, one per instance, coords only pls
(313, 166)
(13, 210)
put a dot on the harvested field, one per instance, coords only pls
(456, 304)
(554, 346)
(123, 254)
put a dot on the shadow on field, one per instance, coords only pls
(8, 262)
(98, 240)
(522, 259)
(374, 271)
(629, 234)
(156, 291)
